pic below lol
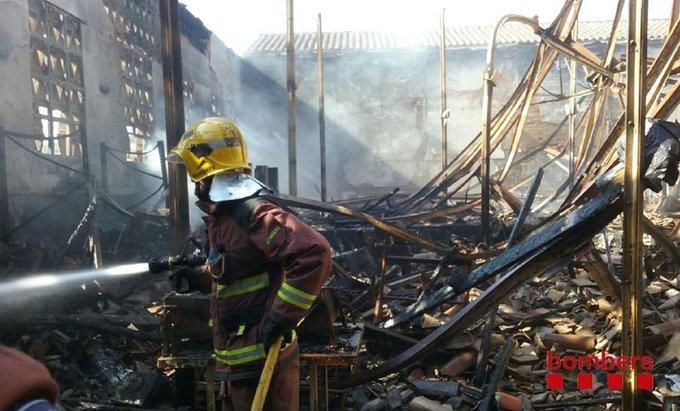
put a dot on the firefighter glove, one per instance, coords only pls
(275, 326)
(187, 279)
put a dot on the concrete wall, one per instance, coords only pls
(33, 183)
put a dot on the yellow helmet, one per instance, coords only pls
(211, 146)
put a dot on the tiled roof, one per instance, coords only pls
(456, 37)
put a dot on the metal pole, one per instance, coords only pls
(4, 194)
(486, 116)
(177, 200)
(486, 147)
(572, 123)
(291, 86)
(526, 208)
(442, 85)
(322, 118)
(161, 157)
(93, 243)
(631, 284)
(483, 357)
(614, 35)
(675, 11)
(103, 167)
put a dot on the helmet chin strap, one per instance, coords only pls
(202, 189)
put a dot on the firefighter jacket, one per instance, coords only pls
(264, 264)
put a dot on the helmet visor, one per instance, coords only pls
(233, 186)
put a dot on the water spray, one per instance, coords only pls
(53, 281)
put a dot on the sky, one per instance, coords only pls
(238, 23)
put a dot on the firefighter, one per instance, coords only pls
(265, 267)
(25, 384)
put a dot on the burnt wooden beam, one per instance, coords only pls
(507, 196)
(555, 247)
(455, 325)
(412, 260)
(526, 208)
(662, 239)
(600, 273)
(395, 231)
(501, 363)
(561, 230)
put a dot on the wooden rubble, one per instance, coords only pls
(424, 302)
(433, 319)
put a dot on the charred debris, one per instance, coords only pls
(425, 309)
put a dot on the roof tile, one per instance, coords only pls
(456, 37)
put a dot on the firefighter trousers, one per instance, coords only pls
(284, 390)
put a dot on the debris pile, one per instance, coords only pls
(423, 310)
(103, 350)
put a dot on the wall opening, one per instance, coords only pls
(133, 22)
(56, 79)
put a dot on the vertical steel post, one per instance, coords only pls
(161, 156)
(177, 200)
(103, 167)
(322, 114)
(675, 12)
(93, 243)
(486, 147)
(382, 269)
(273, 178)
(442, 86)
(290, 87)
(572, 123)
(572, 115)
(260, 173)
(631, 284)
(4, 194)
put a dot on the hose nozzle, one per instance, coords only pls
(159, 265)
